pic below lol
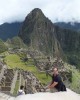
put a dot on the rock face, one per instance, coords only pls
(38, 32)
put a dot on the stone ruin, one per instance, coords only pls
(9, 77)
(7, 80)
(32, 84)
(46, 64)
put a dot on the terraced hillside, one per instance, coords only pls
(21, 67)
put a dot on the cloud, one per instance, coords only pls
(56, 10)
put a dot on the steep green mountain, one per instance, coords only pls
(69, 40)
(38, 32)
(70, 43)
(8, 30)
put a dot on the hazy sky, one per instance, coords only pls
(56, 10)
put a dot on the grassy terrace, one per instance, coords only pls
(14, 61)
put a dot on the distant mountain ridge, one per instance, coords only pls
(9, 30)
(70, 25)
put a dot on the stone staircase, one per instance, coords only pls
(6, 81)
(9, 78)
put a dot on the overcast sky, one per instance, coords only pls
(55, 10)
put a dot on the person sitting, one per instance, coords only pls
(57, 83)
(21, 90)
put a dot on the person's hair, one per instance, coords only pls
(21, 87)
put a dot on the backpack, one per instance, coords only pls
(63, 88)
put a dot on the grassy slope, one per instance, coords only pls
(75, 86)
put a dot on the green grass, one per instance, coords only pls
(14, 61)
(75, 80)
(43, 78)
(16, 88)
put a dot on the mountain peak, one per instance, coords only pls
(37, 10)
(36, 13)
(38, 32)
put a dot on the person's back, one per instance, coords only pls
(56, 83)
(21, 91)
(60, 86)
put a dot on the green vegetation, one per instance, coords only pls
(74, 59)
(14, 61)
(16, 88)
(75, 85)
(3, 47)
(15, 43)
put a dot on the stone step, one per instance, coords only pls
(7, 88)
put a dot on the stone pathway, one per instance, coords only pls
(5, 97)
